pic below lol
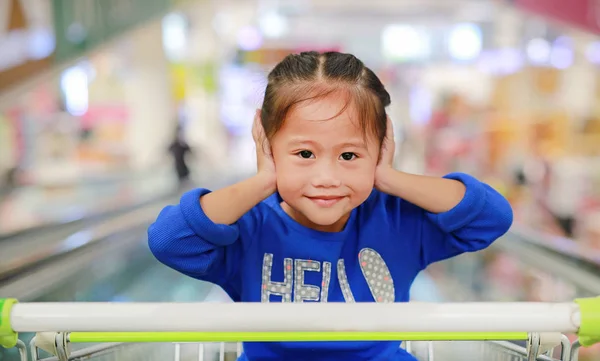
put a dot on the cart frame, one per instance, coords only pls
(539, 346)
(58, 325)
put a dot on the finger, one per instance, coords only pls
(389, 133)
(255, 120)
(256, 125)
(257, 115)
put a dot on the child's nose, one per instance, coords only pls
(326, 177)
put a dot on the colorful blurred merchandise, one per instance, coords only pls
(272, 56)
(205, 76)
(8, 145)
(179, 76)
(103, 138)
(589, 137)
(590, 230)
(531, 142)
(546, 81)
(268, 57)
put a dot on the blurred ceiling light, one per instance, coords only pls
(249, 38)
(19, 46)
(421, 104)
(404, 43)
(538, 51)
(500, 61)
(561, 55)
(41, 43)
(273, 24)
(174, 27)
(74, 84)
(465, 41)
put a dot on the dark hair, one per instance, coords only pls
(311, 75)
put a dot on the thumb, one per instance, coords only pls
(389, 129)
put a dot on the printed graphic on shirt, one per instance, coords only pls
(374, 269)
(343, 279)
(377, 275)
(283, 289)
(303, 291)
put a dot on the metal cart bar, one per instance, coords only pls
(307, 317)
(535, 323)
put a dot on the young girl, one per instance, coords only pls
(326, 218)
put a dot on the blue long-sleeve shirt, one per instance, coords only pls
(268, 257)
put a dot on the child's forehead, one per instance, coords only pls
(334, 106)
(335, 132)
(339, 125)
(332, 119)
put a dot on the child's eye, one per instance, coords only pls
(306, 154)
(348, 156)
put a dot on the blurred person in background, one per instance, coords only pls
(179, 150)
(566, 192)
(9, 181)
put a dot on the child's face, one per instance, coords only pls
(324, 167)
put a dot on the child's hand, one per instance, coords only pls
(386, 158)
(264, 158)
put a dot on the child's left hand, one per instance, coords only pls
(386, 157)
(433, 194)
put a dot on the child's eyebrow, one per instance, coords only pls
(300, 141)
(346, 144)
(359, 144)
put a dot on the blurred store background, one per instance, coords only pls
(95, 93)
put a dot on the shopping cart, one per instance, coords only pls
(185, 331)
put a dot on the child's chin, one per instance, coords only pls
(326, 220)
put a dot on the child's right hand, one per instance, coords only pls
(229, 204)
(264, 157)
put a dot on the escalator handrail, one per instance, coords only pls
(58, 252)
(84, 237)
(560, 245)
(550, 262)
(532, 248)
(90, 216)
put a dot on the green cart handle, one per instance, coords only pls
(589, 325)
(8, 337)
(141, 337)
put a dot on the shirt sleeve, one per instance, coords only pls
(481, 217)
(185, 239)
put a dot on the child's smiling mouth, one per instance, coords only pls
(326, 200)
